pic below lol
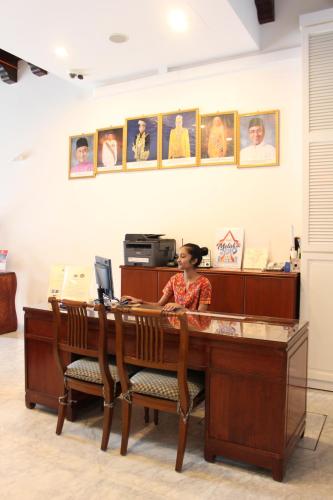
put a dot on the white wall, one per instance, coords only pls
(45, 218)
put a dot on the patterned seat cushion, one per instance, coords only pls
(163, 384)
(88, 369)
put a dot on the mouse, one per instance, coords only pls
(124, 302)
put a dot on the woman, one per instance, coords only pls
(190, 289)
(217, 143)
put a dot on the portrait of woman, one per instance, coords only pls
(109, 149)
(217, 140)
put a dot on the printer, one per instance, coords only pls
(148, 250)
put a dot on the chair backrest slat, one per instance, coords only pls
(149, 339)
(76, 340)
(154, 347)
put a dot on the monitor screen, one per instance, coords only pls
(104, 280)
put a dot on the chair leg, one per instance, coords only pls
(62, 412)
(182, 436)
(126, 413)
(156, 417)
(146, 415)
(107, 422)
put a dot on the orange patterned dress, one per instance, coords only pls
(198, 292)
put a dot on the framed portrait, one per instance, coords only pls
(110, 145)
(179, 138)
(218, 138)
(141, 150)
(81, 156)
(258, 139)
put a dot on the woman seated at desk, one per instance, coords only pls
(190, 289)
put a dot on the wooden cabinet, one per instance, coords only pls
(143, 283)
(8, 319)
(236, 292)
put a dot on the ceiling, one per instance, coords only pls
(218, 29)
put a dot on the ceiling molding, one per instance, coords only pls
(9, 65)
(265, 11)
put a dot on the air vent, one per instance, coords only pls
(321, 81)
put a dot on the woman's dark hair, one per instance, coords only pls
(196, 252)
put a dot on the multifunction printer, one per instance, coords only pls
(148, 250)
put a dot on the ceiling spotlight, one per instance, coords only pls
(177, 20)
(61, 52)
(118, 38)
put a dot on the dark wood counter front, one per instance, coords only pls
(8, 319)
(256, 379)
(274, 294)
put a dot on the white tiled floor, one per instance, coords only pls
(37, 464)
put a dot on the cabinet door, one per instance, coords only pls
(270, 296)
(227, 293)
(140, 283)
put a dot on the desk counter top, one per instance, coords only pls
(250, 328)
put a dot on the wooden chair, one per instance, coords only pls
(161, 384)
(92, 373)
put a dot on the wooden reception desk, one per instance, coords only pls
(8, 319)
(256, 379)
(259, 293)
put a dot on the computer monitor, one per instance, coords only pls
(104, 280)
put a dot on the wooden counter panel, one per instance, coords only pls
(163, 278)
(296, 388)
(247, 361)
(39, 327)
(140, 283)
(253, 408)
(37, 378)
(227, 293)
(270, 297)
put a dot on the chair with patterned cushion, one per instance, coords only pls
(92, 373)
(163, 383)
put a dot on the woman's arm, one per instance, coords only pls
(163, 300)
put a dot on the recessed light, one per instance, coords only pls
(61, 52)
(118, 38)
(177, 20)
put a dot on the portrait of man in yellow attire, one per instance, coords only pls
(179, 142)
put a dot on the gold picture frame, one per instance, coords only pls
(82, 156)
(258, 139)
(109, 156)
(175, 152)
(141, 143)
(218, 138)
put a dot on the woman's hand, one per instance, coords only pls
(172, 306)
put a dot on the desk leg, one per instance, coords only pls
(29, 404)
(209, 456)
(277, 470)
